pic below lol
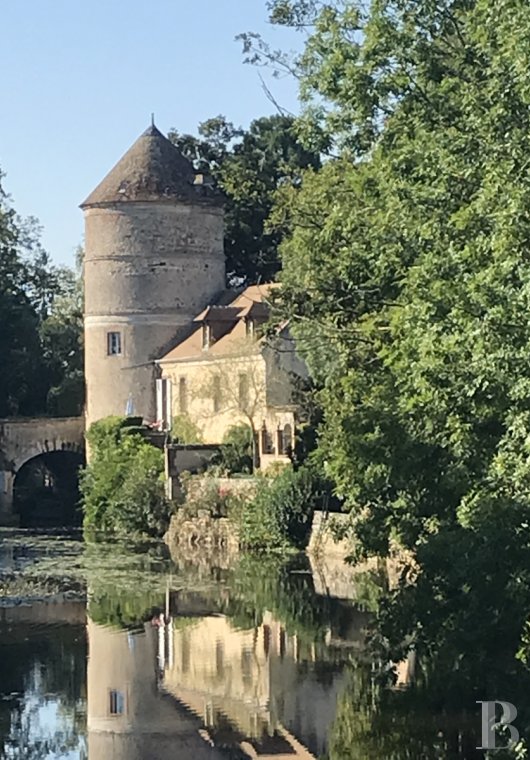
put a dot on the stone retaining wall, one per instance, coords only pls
(202, 531)
(322, 540)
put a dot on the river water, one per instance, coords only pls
(119, 651)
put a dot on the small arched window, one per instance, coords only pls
(267, 444)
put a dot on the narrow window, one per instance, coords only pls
(287, 442)
(266, 640)
(246, 666)
(243, 391)
(267, 444)
(183, 395)
(113, 343)
(206, 335)
(250, 327)
(216, 393)
(116, 702)
(281, 643)
(185, 652)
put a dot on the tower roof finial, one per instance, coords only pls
(152, 120)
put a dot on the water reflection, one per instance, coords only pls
(129, 717)
(42, 682)
(257, 660)
(220, 668)
(261, 687)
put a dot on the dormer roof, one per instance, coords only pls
(228, 321)
(153, 169)
(217, 313)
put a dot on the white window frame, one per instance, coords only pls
(114, 343)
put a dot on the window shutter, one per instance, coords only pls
(159, 400)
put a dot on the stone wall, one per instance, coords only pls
(194, 526)
(204, 532)
(322, 540)
(149, 269)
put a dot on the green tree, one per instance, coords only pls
(22, 390)
(406, 280)
(237, 451)
(62, 343)
(249, 166)
(41, 317)
(412, 247)
(122, 487)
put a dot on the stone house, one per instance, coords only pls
(223, 372)
(163, 338)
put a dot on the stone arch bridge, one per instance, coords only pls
(24, 439)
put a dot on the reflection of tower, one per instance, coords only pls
(253, 683)
(153, 259)
(128, 717)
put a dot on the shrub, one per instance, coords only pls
(122, 488)
(235, 455)
(184, 430)
(280, 515)
(206, 494)
(202, 494)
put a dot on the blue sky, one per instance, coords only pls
(80, 80)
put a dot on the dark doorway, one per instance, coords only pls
(46, 490)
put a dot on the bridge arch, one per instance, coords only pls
(30, 443)
(46, 489)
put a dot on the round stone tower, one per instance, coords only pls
(153, 260)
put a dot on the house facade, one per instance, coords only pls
(224, 372)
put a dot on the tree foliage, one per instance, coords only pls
(249, 166)
(184, 430)
(279, 516)
(406, 279)
(237, 449)
(41, 317)
(62, 344)
(412, 247)
(122, 487)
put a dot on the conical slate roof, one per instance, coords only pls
(152, 169)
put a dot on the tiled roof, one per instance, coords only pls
(153, 169)
(234, 330)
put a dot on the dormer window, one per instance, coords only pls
(206, 335)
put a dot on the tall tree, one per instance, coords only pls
(407, 282)
(412, 247)
(21, 386)
(62, 343)
(249, 166)
(40, 314)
